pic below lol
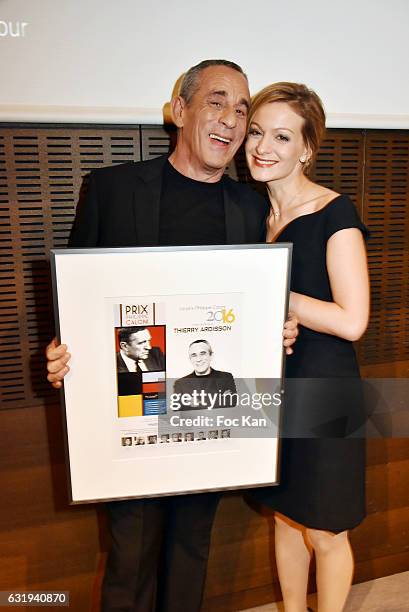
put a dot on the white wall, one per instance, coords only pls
(117, 60)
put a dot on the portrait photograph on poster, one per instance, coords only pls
(176, 376)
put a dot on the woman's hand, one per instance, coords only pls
(290, 332)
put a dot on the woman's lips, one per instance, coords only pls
(263, 163)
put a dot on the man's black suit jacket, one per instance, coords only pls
(122, 208)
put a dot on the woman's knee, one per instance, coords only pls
(325, 542)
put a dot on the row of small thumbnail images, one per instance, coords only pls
(189, 436)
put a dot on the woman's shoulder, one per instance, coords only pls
(339, 201)
(341, 213)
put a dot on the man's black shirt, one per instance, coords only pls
(191, 212)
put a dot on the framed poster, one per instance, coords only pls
(176, 367)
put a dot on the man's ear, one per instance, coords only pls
(177, 105)
(122, 345)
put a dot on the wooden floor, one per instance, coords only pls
(388, 594)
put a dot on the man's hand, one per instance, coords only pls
(57, 358)
(290, 332)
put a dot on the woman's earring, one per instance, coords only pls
(303, 159)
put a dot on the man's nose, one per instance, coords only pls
(229, 117)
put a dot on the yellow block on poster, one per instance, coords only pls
(130, 405)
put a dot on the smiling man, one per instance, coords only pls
(212, 119)
(205, 382)
(180, 200)
(200, 355)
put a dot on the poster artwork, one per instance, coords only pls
(174, 353)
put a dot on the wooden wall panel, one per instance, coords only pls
(386, 212)
(41, 173)
(156, 141)
(340, 163)
(46, 544)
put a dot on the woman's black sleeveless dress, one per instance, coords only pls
(322, 484)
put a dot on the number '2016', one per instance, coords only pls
(221, 316)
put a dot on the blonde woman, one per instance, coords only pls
(321, 494)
